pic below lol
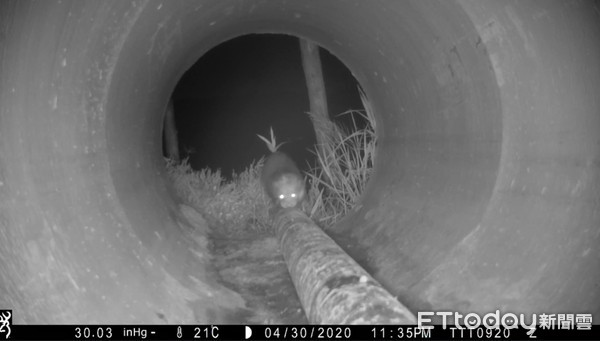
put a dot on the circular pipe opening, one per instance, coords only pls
(242, 87)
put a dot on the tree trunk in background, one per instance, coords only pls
(311, 63)
(170, 133)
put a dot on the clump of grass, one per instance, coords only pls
(271, 142)
(236, 204)
(344, 164)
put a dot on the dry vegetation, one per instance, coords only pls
(344, 166)
(345, 162)
(223, 203)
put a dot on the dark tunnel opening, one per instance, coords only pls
(485, 191)
(242, 87)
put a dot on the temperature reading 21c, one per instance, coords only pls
(206, 333)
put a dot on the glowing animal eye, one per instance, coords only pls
(293, 195)
(281, 196)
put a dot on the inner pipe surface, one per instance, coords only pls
(485, 194)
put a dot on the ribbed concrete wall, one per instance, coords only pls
(486, 193)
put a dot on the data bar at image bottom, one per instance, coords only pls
(286, 332)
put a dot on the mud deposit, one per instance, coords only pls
(252, 265)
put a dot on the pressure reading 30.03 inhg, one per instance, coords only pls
(93, 333)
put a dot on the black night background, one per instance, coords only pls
(242, 87)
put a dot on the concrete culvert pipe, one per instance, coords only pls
(486, 190)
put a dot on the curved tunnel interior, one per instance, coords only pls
(485, 193)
